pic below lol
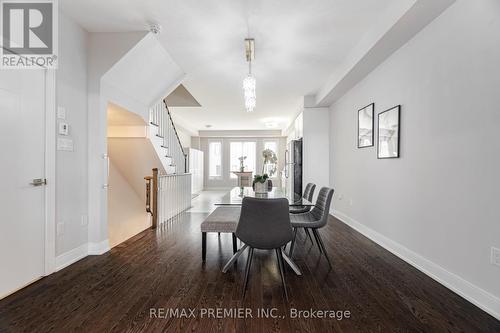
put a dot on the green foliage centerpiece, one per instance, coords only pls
(262, 183)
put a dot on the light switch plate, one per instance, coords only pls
(84, 220)
(61, 112)
(60, 228)
(64, 144)
(495, 256)
(63, 128)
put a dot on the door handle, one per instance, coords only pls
(39, 182)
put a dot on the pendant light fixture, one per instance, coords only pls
(249, 82)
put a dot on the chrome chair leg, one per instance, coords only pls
(282, 271)
(234, 258)
(308, 234)
(247, 271)
(290, 263)
(290, 253)
(322, 246)
(317, 240)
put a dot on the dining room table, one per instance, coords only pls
(235, 198)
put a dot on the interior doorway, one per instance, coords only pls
(130, 154)
(22, 172)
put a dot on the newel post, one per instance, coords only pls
(155, 199)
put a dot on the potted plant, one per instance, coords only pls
(260, 183)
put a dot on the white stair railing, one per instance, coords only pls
(161, 118)
(174, 188)
(174, 195)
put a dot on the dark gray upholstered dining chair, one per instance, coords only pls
(308, 195)
(314, 220)
(264, 224)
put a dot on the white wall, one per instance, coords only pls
(126, 208)
(71, 192)
(437, 205)
(105, 49)
(84, 60)
(184, 136)
(226, 181)
(122, 70)
(295, 130)
(135, 158)
(315, 147)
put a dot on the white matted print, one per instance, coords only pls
(388, 133)
(365, 126)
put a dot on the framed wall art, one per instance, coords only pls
(365, 126)
(388, 133)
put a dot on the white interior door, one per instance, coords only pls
(22, 204)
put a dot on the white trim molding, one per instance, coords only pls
(80, 252)
(477, 296)
(98, 248)
(50, 261)
(70, 257)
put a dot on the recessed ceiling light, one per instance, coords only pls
(208, 126)
(271, 125)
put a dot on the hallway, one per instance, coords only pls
(204, 203)
(115, 292)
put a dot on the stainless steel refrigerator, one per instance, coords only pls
(292, 173)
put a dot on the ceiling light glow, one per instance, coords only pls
(249, 85)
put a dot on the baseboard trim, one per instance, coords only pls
(78, 253)
(70, 257)
(98, 248)
(474, 294)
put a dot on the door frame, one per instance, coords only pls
(50, 172)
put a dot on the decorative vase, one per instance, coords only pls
(260, 187)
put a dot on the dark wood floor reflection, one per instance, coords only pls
(115, 292)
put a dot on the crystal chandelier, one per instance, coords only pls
(249, 92)
(249, 82)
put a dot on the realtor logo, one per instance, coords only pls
(28, 34)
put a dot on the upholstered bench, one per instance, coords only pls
(222, 219)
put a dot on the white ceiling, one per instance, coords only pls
(299, 44)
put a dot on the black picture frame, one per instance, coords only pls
(371, 109)
(392, 119)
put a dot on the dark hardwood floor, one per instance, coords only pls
(115, 292)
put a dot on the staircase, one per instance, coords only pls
(165, 139)
(169, 194)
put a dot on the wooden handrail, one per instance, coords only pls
(154, 223)
(148, 180)
(177, 135)
(152, 197)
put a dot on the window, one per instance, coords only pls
(272, 145)
(215, 159)
(238, 149)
